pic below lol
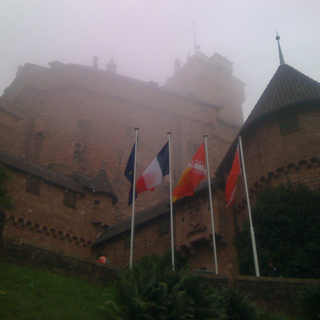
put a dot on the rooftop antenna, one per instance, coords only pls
(196, 48)
(280, 52)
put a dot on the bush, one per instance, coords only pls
(309, 302)
(237, 305)
(286, 221)
(151, 290)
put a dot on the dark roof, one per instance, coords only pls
(100, 184)
(287, 88)
(147, 214)
(141, 217)
(19, 164)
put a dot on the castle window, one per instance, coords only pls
(164, 224)
(34, 185)
(97, 202)
(77, 152)
(195, 147)
(288, 121)
(84, 124)
(120, 159)
(127, 241)
(129, 132)
(70, 199)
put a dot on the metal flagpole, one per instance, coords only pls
(171, 206)
(211, 210)
(133, 195)
(254, 248)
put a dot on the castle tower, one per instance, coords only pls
(111, 66)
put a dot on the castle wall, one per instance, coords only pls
(213, 84)
(44, 220)
(10, 140)
(193, 236)
(147, 242)
(274, 158)
(102, 126)
(72, 119)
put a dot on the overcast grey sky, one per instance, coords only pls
(146, 36)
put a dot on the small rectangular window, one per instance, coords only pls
(70, 199)
(34, 185)
(288, 121)
(84, 124)
(97, 202)
(164, 225)
(76, 156)
(129, 132)
(77, 151)
(120, 159)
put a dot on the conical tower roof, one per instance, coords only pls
(287, 88)
(101, 184)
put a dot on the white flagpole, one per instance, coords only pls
(254, 248)
(133, 195)
(171, 206)
(211, 210)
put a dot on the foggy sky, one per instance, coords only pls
(146, 36)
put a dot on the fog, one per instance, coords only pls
(146, 36)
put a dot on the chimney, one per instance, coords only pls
(95, 62)
(177, 66)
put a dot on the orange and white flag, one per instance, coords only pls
(195, 172)
(232, 180)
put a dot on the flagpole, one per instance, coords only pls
(133, 195)
(171, 206)
(254, 248)
(211, 210)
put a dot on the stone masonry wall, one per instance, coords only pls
(27, 255)
(43, 220)
(147, 242)
(273, 294)
(274, 158)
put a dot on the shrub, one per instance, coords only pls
(309, 302)
(151, 290)
(286, 221)
(237, 305)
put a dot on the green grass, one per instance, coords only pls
(27, 293)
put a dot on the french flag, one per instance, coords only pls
(154, 174)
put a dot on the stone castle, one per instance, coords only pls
(67, 131)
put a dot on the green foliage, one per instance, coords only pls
(266, 315)
(27, 293)
(5, 198)
(237, 305)
(309, 302)
(152, 291)
(286, 222)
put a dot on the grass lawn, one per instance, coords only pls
(27, 293)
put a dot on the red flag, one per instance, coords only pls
(231, 185)
(191, 177)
